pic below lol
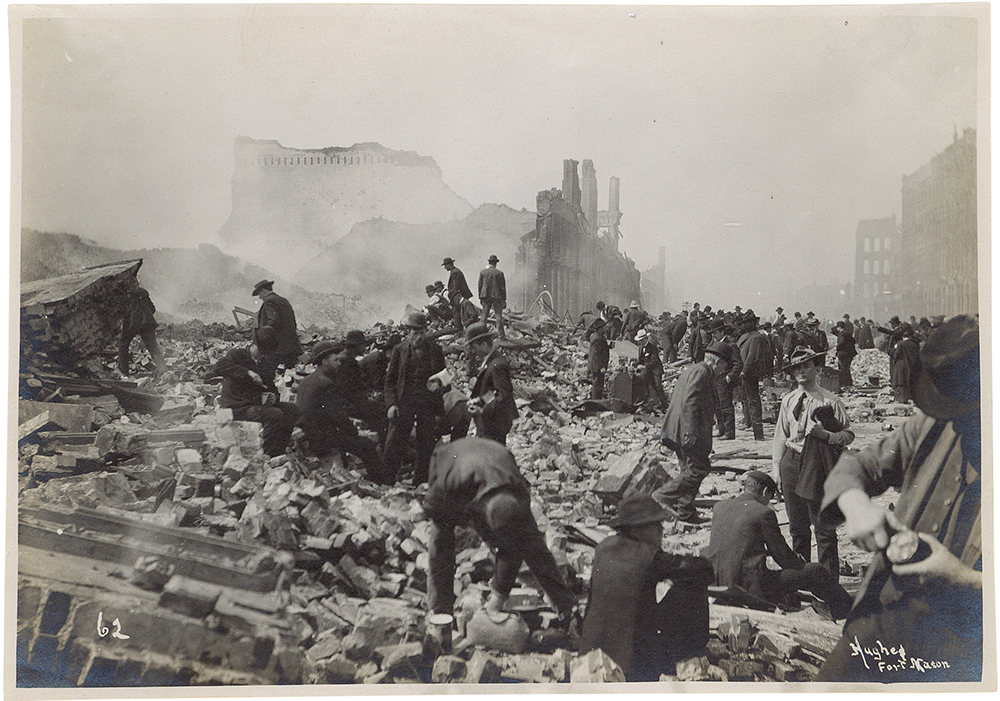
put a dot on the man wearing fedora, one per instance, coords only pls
(252, 396)
(745, 533)
(361, 403)
(753, 351)
(275, 332)
(650, 368)
(930, 605)
(644, 636)
(687, 430)
(493, 292)
(847, 348)
(323, 400)
(904, 364)
(725, 412)
(492, 403)
(806, 446)
(408, 399)
(458, 290)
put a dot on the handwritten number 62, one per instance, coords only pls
(102, 630)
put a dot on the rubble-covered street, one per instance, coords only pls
(158, 545)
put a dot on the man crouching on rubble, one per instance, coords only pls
(476, 480)
(644, 636)
(254, 399)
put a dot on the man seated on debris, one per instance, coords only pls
(139, 319)
(650, 368)
(437, 309)
(923, 592)
(745, 532)
(322, 399)
(252, 398)
(598, 357)
(475, 481)
(810, 433)
(687, 430)
(492, 403)
(644, 632)
(361, 404)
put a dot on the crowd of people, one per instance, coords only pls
(401, 389)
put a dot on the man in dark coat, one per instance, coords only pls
(725, 412)
(865, 338)
(753, 350)
(931, 606)
(493, 292)
(275, 333)
(253, 397)
(408, 399)
(687, 430)
(745, 532)
(476, 480)
(650, 369)
(361, 402)
(323, 400)
(904, 364)
(139, 319)
(633, 321)
(624, 619)
(598, 357)
(846, 350)
(677, 331)
(492, 404)
(458, 290)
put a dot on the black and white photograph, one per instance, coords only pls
(469, 349)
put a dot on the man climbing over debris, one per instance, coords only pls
(492, 404)
(275, 333)
(252, 398)
(651, 367)
(745, 532)
(625, 619)
(598, 357)
(139, 319)
(458, 291)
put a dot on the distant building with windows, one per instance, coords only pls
(877, 266)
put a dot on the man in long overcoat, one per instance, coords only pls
(752, 349)
(275, 333)
(493, 292)
(904, 364)
(492, 402)
(458, 290)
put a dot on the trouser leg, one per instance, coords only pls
(441, 559)
(396, 440)
(366, 451)
(796, 507)
(680, 492)
(752, 410)
(124, 351)
(277, 421)
(597, 385)
(817, 580)
(148, 335)
(427, 436)
(827, 553)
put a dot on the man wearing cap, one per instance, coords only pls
(475, 481)
(458, 290)
(745, 533)
(810, 433)
(687, 430)
(932, 606)
(598, 357)
(408, 399)
(644, 636)
(904, 364)
(252, 396)
(633, 321)
(492, 402)
(753, 351)
(725, 411)
(650, 367)
(275, 333)
(493, 292)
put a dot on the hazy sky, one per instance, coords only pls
(750, 141)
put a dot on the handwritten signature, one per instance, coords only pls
(892, 659)
(102, 630)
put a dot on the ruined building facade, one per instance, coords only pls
(876, 267)
(573, 251)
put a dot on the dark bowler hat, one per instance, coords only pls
(948, 383)
(492, 259)
(716, 324)
(355, 339)
(638, 510)
(477, 332)
(262, 285)
(428, 288)
(760, 478)
(894, 319)
(801, 354)
(325, 348)
(720, 349)
(447, 261)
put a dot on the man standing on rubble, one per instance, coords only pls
(275, 333)
(725, 412)
(409, 400)
(492, 402)
(139, 319)
(252, 397)
(752, 350)
(633, 321)
(923, 591)
(745, 532)
(846, 350)
(678, 329)
(687, 430)
(323, 399)
(650, 368)
(493, 292)
(645, 635)
(904, 364)
(458, 290)
(476, 481)
(598, 357)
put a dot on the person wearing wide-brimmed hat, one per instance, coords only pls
(725, 410)
(904, 364)
(458, 290)
(811, 431)
(275, 331)
(931, 606)
(754, 351)
(408, 399)
(650, 366)
(361, 402)
(492, 404)
(644, 636)
(323, 399)
(493, 292)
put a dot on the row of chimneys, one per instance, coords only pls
(586, 198)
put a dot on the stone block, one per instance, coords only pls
(483, 668)
(366, 670)
(73, 660)
(781, 645)
(692, 669)
(128, 672)
(101, 672)
(28, 600)
(55, 613)
(401, 660)
(359, 644)
(449, 668)
(527, 668)
(44, 653)
(323, 649)
(595, 667)
(188, 459)
(189, 596)
(337, 670)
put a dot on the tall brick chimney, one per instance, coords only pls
(588, 198)
(571, 182)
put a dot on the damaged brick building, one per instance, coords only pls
(573, 251)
